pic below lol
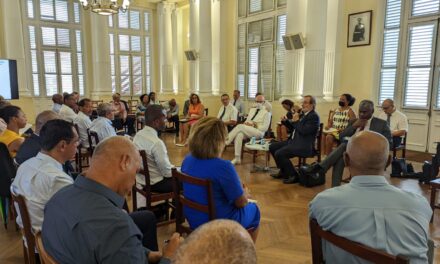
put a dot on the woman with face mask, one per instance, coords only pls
(338, 120)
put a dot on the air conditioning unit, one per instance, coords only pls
(191, 55)
(295, 41)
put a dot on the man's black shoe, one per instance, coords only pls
(311, 169)
(291, 180)
(277, 175)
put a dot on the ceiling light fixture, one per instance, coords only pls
(106, 7)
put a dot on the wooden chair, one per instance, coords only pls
(317, 148)
(150, 196)
(95, 104)
(82, 155)
(178, 179)
(132, 104)
(29, 251)
(205, 112)
(354, 248)
(401, 147)
(45, 258)
(92, 135)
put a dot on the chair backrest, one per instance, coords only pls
(205, 112)
(146, 190)
(354, 248)
(318, 142)
(45, 258)
(178, 179)
(27, 227)
(92, 135)
(133, 105)
(7, 171)
(95, 104)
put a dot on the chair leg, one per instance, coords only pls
(404, 152)
(433, 193)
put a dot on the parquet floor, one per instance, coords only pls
(284, 235)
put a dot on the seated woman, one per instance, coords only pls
(140, 110)
(15, 120)
(338, 121)
(284, 132)
(195, 112)
(206, 145)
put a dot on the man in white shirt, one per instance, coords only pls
(57, 100)
(103, 124)
(396, 120)
(40, 177)
(227, 113)
(256, 124)
(266, 104)
(83, 120)
(172, 110)
(238, 103)
(66, 110)
(147, 139)
(369, 210)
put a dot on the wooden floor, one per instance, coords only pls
(284, 235)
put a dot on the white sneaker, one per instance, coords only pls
(180, 145)
(235, 161)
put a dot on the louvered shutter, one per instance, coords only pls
(418, 71)
(134, 20)
(267, 30)
(241, 58)
(253, 66)
(241, 8)
(280, 56)
(388, 71)
(266, 69)
(424, 7)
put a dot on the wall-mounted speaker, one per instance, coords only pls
(295, 41)
(191, 55)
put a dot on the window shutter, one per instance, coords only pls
(421, 38)
(30, 8)
(255, 6)
(134, 20)
(147, 21)
(241, 58)
(267, 29)
(280, 56)
(135, 43)
(63, 37)
(424, 7)
(282, 3)
(49, 36)
(125, 74)
(254, 32)
(241, 8)
(253, 72)
(61, 10)
(387, 83)
(137, 75)
(266, 66)
(124, 43)
(123, 19)
(47, 10)
(76, 11)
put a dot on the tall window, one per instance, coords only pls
(418, 32)
(130, 52)
(54, 45)
(260, 50)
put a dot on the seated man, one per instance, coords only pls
(103, 124)
(57, 100)
(147, 139)
(301, 143)
(67, 109)
(172, 110)
(366, 121)
(217, 242)
(227, 113)
(85, 223)
(256, 124)
(396, 120)
(83, 120)
(369, 210)
(40, 177)
(15, 120)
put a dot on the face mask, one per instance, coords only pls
(341, 104)
(258, 105)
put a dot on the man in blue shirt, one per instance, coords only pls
(85, 223)
(369, 210)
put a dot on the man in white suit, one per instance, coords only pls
(256, 124)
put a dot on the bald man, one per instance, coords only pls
(396, 120)
(217, 242)
(57, 100)
(85, 223)
(369, 210)
(256, 124)
(32, 145)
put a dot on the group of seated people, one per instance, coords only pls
(82, 221)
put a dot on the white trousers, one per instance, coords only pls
(241, 132)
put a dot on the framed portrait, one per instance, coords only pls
(359, 29)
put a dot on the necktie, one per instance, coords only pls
(224, 110)
(234, 102)
(256, 113)
(389, 120)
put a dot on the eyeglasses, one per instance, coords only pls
(261, 102)
(386, 108)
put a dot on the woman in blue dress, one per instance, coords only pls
(206, 144)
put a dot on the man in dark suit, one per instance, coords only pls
(301, 143)
(366, 121)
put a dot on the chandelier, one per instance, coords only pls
(106, 7)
